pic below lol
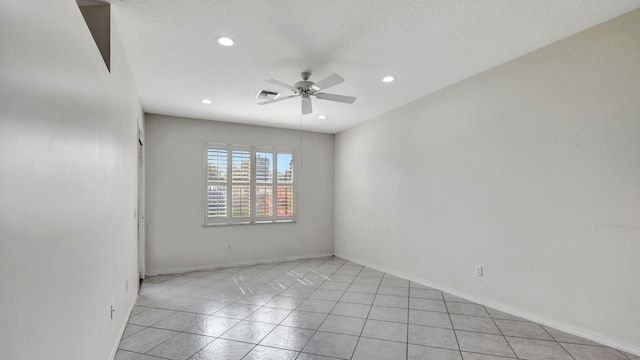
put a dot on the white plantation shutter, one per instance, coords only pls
(245, 185)
(264, 186)
(241, 185)
(217, 184)
(284, 186)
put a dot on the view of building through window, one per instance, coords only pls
(264, 193)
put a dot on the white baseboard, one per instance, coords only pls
(583, 333)
(123, 327)
(231, 264)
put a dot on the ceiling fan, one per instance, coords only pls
(306, 89)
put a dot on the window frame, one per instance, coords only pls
(253, 218)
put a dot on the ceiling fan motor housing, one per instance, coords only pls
(304, 86)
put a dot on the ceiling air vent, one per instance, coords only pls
(267, 95)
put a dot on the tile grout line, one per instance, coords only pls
(207, 344)
(561, 343)
(141, 354)
(408, 319)
(164, 289)
(216, 337)
(556, 340)
(291, 310)
(368, 313)
(501, 333)
(452, 327)
(334, 306)
(276, 326)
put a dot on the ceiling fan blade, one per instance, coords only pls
(280, 83)
(327, 82)
(276, 100)
(306, 105)
(335, 97)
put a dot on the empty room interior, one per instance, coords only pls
(320, 180)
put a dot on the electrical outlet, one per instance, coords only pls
(229, 246)
(478, 270)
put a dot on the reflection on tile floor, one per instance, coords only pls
(329, 308)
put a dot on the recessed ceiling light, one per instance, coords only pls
(225, 41)
(322, 117)
(388, 79)
(206, 101)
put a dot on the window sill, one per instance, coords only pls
(254, 223)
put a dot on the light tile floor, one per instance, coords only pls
(329, 308)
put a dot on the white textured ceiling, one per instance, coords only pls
(426, 44)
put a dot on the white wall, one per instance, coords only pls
(176, 239)
(67, 185)
(531, 169)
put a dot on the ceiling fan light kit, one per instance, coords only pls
(306, 89)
